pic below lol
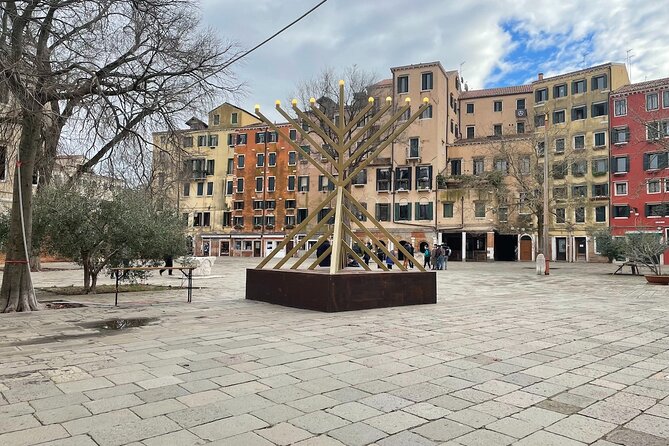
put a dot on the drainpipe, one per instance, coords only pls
(264, 196)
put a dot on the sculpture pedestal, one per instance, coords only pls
(348, 289)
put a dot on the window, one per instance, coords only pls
(559, 117)
(291, 183)
(600, 214)
(600, 190)
(200, 189)
(260, 159)
(456, 167)
(600, 166)
(447, 210)
(270, 204)
(524, 165)
(579, 191)
(290, 220)
(654, 161)
(620, 164)
(271, 184)
(360, 178)
(290, 204)
(210, 167)
(559, 145)
(427, 114)
(238, 205)
(478, 166)
(520, 104)
(497, 106)
(231, 166)
(560, 170)
(501, 165)
(403, 178)
(257, 221)
(470, 107)
(540, 120)
(403, 84)
(210, 188)
(541, 95)
(560, 215)
(578, 113)
(414, 148)
(187, 141)
(241, 139)
(240, 161)
(655, 130)
(600, 139)
(540, 148)
(620, 189)
(579, 168)
(479, 209)
(201, 219)
(292, 134)
(424, 211)
(579, 215)
(653, 186)
(186, 190)
(560, 193)
(292, 158)
(382, 179)
(621, 211)
(202, 140)
(260, 137)
(579, 142)
(620, 107)
(228, 187)
(652, 101)
(470, 132)
(503, 214)
(240, 185)
(620, 135)
(271, 159)
(234, 118)
(600, 109)
(303, 183)
(665, 99)
(238, 221)
(560, 91)
(599, 82)
(520, 127)
(424, 178)
(382, 211)
(259, 184)
(213, 140)
(426, 81)
(302, 215)
(272, 137)
(497, 130)
(324, 183)
(578, 86)
(258, 205)
(402, 211)
(656, 210)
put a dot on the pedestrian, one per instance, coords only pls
(440, 258)
(366, 256)
(380, 255)
(169, 263)
(400, 255)
(426, 257)
(447, 253)
(411, 251)
(321, 250)
(389, 260)
(434, 257)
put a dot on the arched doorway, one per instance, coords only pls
(525, 250)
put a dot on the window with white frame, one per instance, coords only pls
(620, 107)
(652, 101)
(600, 109)
(271, 159)
(427, 113)
(653, 186)
(260, 159)
(426, 81)
(666, 185)
(292, 158)
(403, 84)
(271, 184)
(665, 99)
(259, 184)
(600, 214)
(559, 145)
(620, 135)
(497, 106)
(620, 164)
(579, 142)
(579, 215)
(303, 183)
(560, 215)
(600, 139)
(479, 209)
(620, 188)
(559, 117)
(423, 177)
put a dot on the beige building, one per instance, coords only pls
(195, 169)
(571, 115)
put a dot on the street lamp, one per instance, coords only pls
(546, 213)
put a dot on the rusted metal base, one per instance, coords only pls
(344, 291)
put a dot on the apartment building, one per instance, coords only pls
(639, 147)
(193, 168)
(571, 115)
(264, 206)
(480, 213)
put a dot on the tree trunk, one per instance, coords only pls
(87, 273)
(16, 293)
(94, 282)
(35, 261)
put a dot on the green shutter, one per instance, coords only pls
(409, 216)
(397, 212)
(417, 206)
(430, 211)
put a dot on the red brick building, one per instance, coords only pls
(264, 189)
(639, 123)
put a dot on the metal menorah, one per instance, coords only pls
(345, 139)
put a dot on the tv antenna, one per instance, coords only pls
(629, 63)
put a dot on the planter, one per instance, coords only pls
(657, 280)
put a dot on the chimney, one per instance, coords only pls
(541, 76)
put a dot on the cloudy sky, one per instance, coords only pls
(495, 43)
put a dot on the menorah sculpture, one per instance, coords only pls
(341, 288)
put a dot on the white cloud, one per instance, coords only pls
(380, 34)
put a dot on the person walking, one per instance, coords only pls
(381, 256)
(169, 263)
(440, 258)
(389, 260)
(426, 257)
(434, 257)
(447, 253)
(411, 251)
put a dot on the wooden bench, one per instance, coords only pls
(187, 271)
(633, 266)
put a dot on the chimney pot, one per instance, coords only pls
(541, 76)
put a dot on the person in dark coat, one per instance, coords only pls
(169, 263)
(319, 252)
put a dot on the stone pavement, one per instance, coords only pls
(505, 357)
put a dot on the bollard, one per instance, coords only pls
(541, 265)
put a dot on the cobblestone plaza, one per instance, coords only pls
(505, 357)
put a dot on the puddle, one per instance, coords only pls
(120, 324)
(60, 304)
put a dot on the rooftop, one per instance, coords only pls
(643, 86)
(500, 91)
(577, 72)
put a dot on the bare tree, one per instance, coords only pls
(99, 73)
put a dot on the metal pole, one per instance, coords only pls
(546, 215)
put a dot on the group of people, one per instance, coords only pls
(437, 257)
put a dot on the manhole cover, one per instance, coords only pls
(120, 324)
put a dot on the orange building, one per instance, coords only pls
(264, 188)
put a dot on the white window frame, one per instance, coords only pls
(653, 181)
(615, 108)
(256, 184)
(665, 95)
(657, 101)
(574, 142)
(666, 185)
(234, 118)
(564, 145)
(274, 188)
(594, 138)
(564, 116)
(288, 183)
(615, 188)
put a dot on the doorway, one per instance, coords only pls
(561, 248)
(225, 248)
(506, 246)
(256, 248)
(525, 250)
(581, 249)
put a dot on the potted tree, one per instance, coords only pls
(646, 248)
